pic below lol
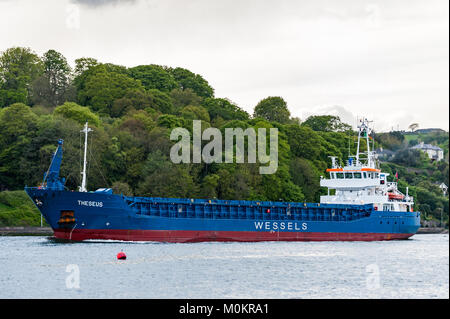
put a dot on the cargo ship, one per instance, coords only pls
(361, 205)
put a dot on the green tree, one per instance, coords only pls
(326, 123)
(161, 101)
(209, 186)
(122, 188)
(78, 113)
(170, 121)
(191, 112)
(303, 141)
(19, 67)
(186, 79)
(181, 98)
(236, 181)
(18, 126)
(410, 157)
(154, 77)
(272, 108)
(52, 87)
(224, 109)
(306, 175)
(103, 86)
(392, 140)
(162, 178)
(84, 64)
(83, 68)
(132, 100)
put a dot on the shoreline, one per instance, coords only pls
(47, 231)
(432, 230)
(26, 231)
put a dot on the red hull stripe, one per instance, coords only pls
(185, 236)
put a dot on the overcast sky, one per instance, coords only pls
(385, 60)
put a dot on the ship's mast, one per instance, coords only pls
(364, 129)
(85, 130)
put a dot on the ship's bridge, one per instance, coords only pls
(353, 178)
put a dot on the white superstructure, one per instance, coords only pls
(360, 181)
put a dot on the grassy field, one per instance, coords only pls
(17, 209)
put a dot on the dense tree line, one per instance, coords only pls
(132, 111)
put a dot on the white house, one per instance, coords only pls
(433, 152)
(444, 188)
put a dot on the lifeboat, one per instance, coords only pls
(393, 196)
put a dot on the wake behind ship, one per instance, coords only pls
(364, 206)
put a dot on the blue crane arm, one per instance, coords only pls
(52, 175)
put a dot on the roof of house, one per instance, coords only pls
(423, 146)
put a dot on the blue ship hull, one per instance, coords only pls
(103, 215)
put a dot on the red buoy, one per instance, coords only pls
(121, 256)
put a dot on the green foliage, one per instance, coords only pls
(182, 98)
(122, 188)
(224, 109)
(131, 101)
(170, 121)
(53, 86)
(18, 126)
(161, 101)
(191, 112)
(304, 142)
(19, 67)
(410, 157)
(154, 77)
(209, 186)
(165, 179)
(16, 209)
(77, 113)
(392, 140)
(105, 84)
(188, 80)
(273, 108)
(326, 123)
(305, 175)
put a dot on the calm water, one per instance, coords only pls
(38, 267)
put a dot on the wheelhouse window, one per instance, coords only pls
(339, 175)
(365, 175)
(348, 175)
(357, 175)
